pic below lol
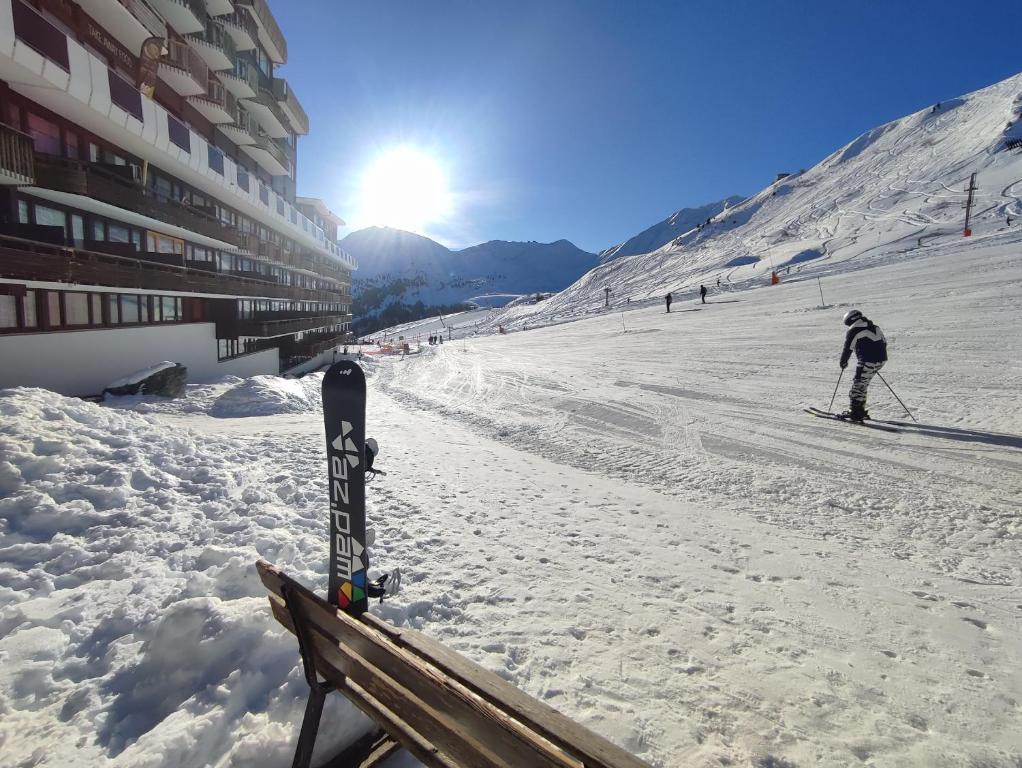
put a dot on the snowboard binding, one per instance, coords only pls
(386, 585)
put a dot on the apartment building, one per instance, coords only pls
(148, 208)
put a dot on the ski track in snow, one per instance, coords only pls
(622, 512)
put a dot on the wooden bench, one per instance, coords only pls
(444, 709)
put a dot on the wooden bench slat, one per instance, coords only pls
(420, 695)
(575, 739)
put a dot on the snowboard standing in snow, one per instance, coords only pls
(344, 416)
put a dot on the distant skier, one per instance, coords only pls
(867, 341)
(718, 282)
(667, 298)
(702, 293)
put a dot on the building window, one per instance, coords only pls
(50, 217)
(30, 312)
(96, 300)
(130, 310)
(22, 212)
(76, 308)
(216, 160)
(117, 233)
(53, 309)
(9, 311)
(70, 145)
(113, 308)
(157, 243)
(98, 230)
(45, 135)
(77, 228)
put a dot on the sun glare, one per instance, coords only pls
(405, 188)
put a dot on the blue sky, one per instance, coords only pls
(590, 120)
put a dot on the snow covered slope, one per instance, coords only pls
(897, 188)
(678, 223)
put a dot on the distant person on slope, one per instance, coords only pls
(870, 346)
(702, 293)
(667, 298)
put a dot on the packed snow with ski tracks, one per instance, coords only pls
(623, 512)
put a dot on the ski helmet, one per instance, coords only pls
(372, 445)
(852, 316)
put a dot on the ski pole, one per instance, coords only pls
(898, 398)
(835, 389)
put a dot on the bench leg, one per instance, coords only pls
(310, 726)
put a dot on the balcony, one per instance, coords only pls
(270, 35)
(290, 105)
(240, 129)
(185, 16)
(17, 157)
(131, 22)
(107, 185)
(281, 327)
(242, 28)
(216, 104)
(264, 108)
(183, 69)
(270, 156)
(215, 47)
(22, 259)
(219, 7)
(243, 81)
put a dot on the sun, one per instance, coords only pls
(404, 188)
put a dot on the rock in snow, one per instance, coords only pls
(165, 379)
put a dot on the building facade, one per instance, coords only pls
(148, 205)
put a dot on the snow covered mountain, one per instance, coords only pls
(661, 233)
(897, 187)
(403, 276)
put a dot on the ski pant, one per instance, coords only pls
(864, 373)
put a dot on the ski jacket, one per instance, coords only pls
(868, 342)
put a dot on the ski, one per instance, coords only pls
(869, 423)
(344, 415)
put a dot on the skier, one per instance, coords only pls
(667, 298)
(702, 293)
(870, 346)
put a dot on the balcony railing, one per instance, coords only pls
(22, 259)
(146, 16)
(279, 123)
(285, 96)
(243, 25)
(283, 327)
(269, 32)
(180, 55)
(38, 33)
(96, 181)
(17, 157)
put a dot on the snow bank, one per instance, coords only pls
(133, 628)
(268, 396)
